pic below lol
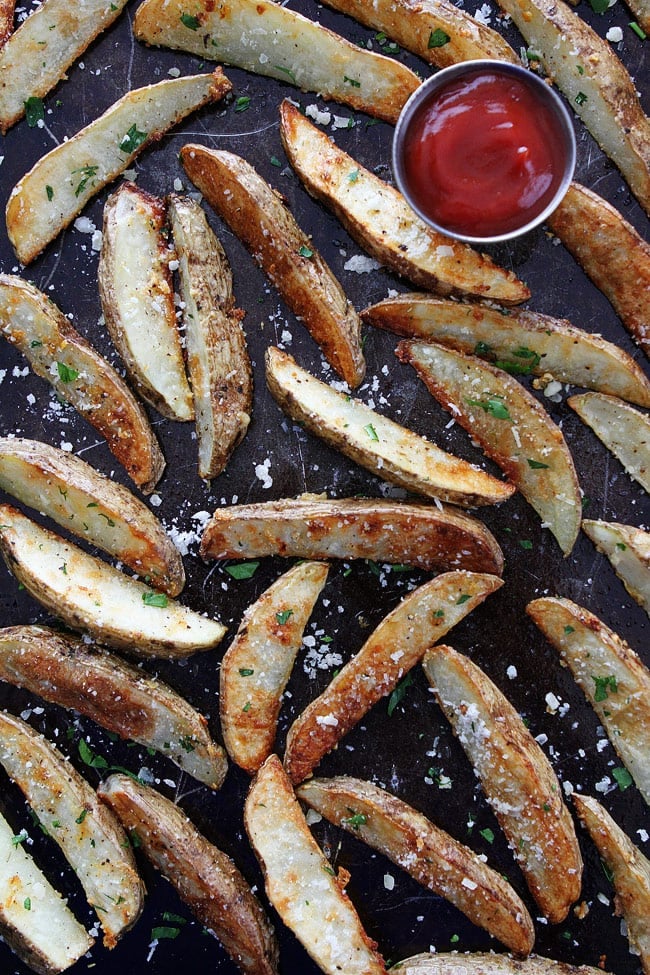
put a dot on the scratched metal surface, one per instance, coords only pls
(276, 460)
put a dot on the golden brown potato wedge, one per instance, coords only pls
(394, 648)
(7, 8)
(610, 674)
(434, 858)
(59, 185)
(516, 776)
(521, 342)
(385, 448)
(80, 376)
(487, 963)
(217, 357)
(205, 878)
(377, 216)
(628, 549)
(92, 596)
(300, 883)
(257, 214)
(511, 427)
(624, 430)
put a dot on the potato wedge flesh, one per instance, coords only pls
(7, 8)
(624, 430)
(487, 963)
(628, 549)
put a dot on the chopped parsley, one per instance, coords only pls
(370, 430)
(351, 81)
(88, 757)
(397, 695)
(623, 778)
(66, 373)
(580, 98)
(246, 671)
(289, 73)
(158, 599)
(191, 22)
(638, 30)
(305, 251)
(529, 360)
(438, 38)
(49, 192)
(604, 686)
(494, 406)
(164, 931)
(34, 111)
(242, 570)
(87, 173)
(242, 103)
(133, 139)
(284, 616)
(536, 465)
(569, 629)
(487, 834)
(463, 598)
(355, 820)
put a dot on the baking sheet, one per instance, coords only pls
(413, 751)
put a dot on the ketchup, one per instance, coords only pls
(483, 156)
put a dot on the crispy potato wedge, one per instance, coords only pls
(35, 920)
(624, 430)
(612, 253)
(300, 883)
(595, 82)
(7, 9)
(628, 549)
(272, 40)
(487, 963)
(394, 648)
(521, 342)
(120, 697)
(257, 665)
(610, 674)
(516, 776)
(89, 835)
(630, 871)
(385, 448)
(40, 51)
(80, 376)
(377, 216)
(511, 427)
(137, 296)
(217, 357)
(76, 170)
(92, 596)
(205, 878)
(257, 214)
(430, 855)
(83, 501)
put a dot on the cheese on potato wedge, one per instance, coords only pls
(624, 430)
(628, 549)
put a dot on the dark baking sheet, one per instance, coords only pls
(276, 460)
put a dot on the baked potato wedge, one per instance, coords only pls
(205, 878)
(511, 427)
(624, 431)
(270, 39)
(258, 216)
(516, 776)
(80, 376)
(395, 647)
(522, 342)
(89, 835)
(300, 883)
(385, 448)
(7, 10)
(89, 595)
(100, 511)
(424, 536)
(377, 216)
(137, 296)
(258, 663)
(487, 963)
(628, 549)
(217, 357)
(612, 677)
(429, 854)
(59, 185)
(122, 698)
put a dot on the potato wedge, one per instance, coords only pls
(429, 854)
(80, 376)
(624, 430)
(424, 536)
(257, 214)
(217, 357)
(610, 674)
(205, 878)
(377, 216)
(41, 50)
(516, 776)
(521, 342)
(394, 648)
(487, 963)
(35, 920)
(90, 837)
(595, 82)
(83, 501)
(612, 253)
(300, 883)
(272, 40)
(628, 549)
(641, 10)
(7, 9)
(257, 665)
(92, 596)
(137, 296)
(630, 871)
(511, 427)
(120, 697)
(385, 448)
(76, 170)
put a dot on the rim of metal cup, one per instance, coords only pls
(436, 81)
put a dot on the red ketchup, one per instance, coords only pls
(483, 156)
